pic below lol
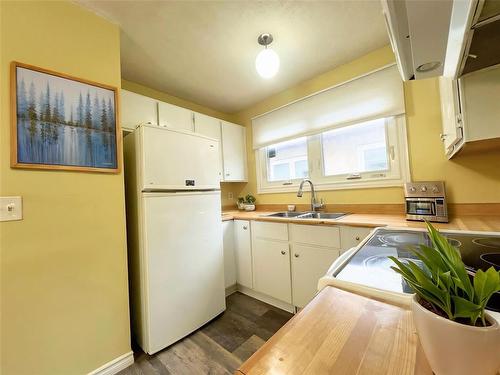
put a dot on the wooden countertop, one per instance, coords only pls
(490, 223)
(342, 333)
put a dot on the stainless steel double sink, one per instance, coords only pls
(308, 215)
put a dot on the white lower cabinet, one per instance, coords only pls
(352, 236)
(313, 249)
(271, 264)
(243, 253)
(229, 260)
(309, 264)
(285, 261)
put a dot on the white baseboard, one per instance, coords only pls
(115, 366)
(231, 289)
(267, 299)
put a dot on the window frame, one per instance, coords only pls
(397, 156)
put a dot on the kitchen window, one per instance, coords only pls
(364, 154)
(287, 160)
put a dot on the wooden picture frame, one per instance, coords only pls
(69, 124)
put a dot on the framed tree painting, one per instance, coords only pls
(63, 122)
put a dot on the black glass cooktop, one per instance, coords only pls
(371, 266)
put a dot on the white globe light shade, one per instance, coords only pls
(267, 63)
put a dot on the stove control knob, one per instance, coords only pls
(423, 189)
(413, 189)
(435, 189)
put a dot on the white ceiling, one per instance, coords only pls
(204, 51)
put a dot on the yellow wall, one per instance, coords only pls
(64, 299)
(226, 187)
(469, 179)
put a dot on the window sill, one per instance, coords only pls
(348, 185)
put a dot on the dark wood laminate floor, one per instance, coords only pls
(220, 346)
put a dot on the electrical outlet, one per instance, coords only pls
(11, 208)
(230, 195)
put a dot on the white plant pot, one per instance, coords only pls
(457, 349)
(249, 207)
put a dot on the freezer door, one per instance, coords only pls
(177, 160)
(185, 267)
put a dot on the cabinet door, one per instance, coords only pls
(352, 236)
(210, 127)
(243, 253)
(271, 264)
(229, 261)
(206, 125)
(137, 109)
(175, 117)
(309, 264)
(234, 152)
(450, 112)
(480, 92)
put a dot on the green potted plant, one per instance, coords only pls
(247, 203)
(457, 335)
(241, 203)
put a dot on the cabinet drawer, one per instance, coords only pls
(273, 231)
(315, 235)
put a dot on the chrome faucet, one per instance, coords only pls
(314, 203)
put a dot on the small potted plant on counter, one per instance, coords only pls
(247, 203)
(457, 335)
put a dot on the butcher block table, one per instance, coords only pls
(342, 333)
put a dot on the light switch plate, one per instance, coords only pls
(230, 195)
(11, 208)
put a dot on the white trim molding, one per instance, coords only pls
(115, 366)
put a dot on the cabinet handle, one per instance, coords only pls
(245, 227)
(228, 174)
(283, 252)
(296, 255)
(357, 238)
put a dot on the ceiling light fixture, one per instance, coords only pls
(267, 62)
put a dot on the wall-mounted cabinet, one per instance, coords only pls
(210, 127)
(175, 117)
(470, 112)
(137, 109)
(234, 152)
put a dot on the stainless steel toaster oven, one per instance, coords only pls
(426, 201)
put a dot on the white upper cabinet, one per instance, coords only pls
(470, 112)
(480, 98)
(234, 152)
(450, 113)
(210, 127)
(137, 109)
(206, 125)
(175, 117)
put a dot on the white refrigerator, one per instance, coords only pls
(174, 230)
